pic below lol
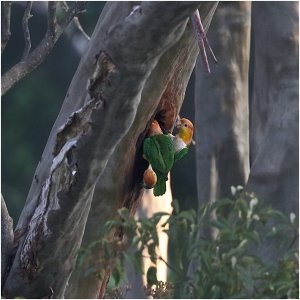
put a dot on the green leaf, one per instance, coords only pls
(124, 213)
(151, 276)
(152, 252)
(116, 276)
(189, 215)
(175, 205)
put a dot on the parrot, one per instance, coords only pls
(183, 138)
(162, 151)
(159, 151)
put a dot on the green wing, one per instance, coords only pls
(159, 151)
(179, 155)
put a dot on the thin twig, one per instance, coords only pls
(52, 18)
(202, 39)
(5, 23)
(169, 266)
(76, 9)
(75, 21)
(37, 56)
(27, 15)
(79, 27)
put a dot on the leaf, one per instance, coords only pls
(151, 276)
(152, 252)
(116, 276)
(189, 215)
(157, 216)
(175, 205)
(123, 213)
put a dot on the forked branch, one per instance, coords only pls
(75, 20)
(38, 55)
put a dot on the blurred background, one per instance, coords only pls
(26, 123)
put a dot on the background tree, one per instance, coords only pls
(247, 109)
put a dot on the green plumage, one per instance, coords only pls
(180, 154)
(159, 151)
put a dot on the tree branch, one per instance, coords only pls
(5, 23)
(75, 20)
(52, 18)
(202, 39)
(38, 55)
(27, 15)
(79, 27)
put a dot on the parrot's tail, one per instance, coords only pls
(160, 187)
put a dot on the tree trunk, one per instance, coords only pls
(137, 66)
(7, 239)
(221, 103)
(162, 96)
(274, 107)
(274, 104)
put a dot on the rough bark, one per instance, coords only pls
(221, 103)
(162, 96)
(7, 239)
(274, 106)
(101, 106)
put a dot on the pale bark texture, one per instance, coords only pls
(221, 105)
(136, 67)
(7, 239)
(274, 104)
(274, 107)
(161, 96)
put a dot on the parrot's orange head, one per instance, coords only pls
(186, 130)
(154, 129)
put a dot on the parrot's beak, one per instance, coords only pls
(179, 125)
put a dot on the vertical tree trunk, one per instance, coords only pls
(161, 97)
(274, 104)
(221, 103)
(274, 107)
(7, 239)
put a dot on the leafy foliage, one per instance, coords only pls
(229, 265)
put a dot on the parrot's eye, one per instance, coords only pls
(185, 125)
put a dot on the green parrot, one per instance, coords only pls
(162, 151)
(159, 151)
